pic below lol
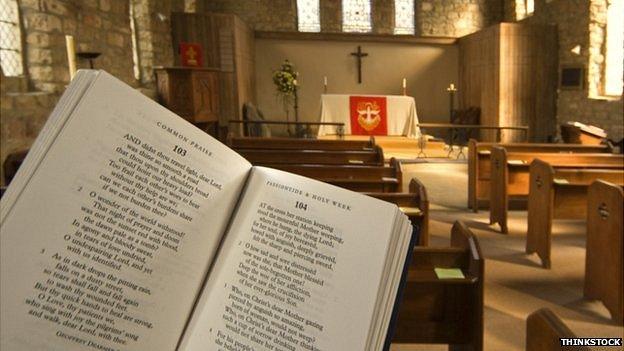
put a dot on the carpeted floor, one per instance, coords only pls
(515, 283)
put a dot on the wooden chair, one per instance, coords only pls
(558, 194)
(604, 261)
(543, 331)
(414, 204)
(510, 175)
(479, 164)
(260, 157)
(297, 144)
(444, 311)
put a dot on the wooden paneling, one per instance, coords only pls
(227, 44)
(510, 71)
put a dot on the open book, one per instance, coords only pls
(127, 228)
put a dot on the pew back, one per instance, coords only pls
(357, 178)
(479, 164)
(372, 157)
(510, 175)
(604, 261)
(554, 194)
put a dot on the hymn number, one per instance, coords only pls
(180, 151)
(301, 205)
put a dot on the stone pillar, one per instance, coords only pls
(383, 16)
(331, 16)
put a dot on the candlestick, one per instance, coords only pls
(71, 55)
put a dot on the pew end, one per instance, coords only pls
(498, 188)
(543, 331)
(604, 266)
(540, 206)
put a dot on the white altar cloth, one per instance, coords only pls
(401, 114)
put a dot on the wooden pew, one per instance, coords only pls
(479, 164)
(414, 204)
(297, 144)
(11, 164)
(510, 175)
(558, 194)
(260, 157)
(444, 311)
(604, 261)
(356, 178)
(543, 331)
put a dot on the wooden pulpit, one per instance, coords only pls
(192, 93)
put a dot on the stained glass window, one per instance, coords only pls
(10, 39)
(308, 16)
(356, 16)
(403, 16)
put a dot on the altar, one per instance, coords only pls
(370, 115)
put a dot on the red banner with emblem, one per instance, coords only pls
(368, 115)
(191, 55)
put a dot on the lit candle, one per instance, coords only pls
(71, 55)
(452, 86)
(404, 83)
(325, 80)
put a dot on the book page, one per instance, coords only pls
(300, 269)
(107, 244)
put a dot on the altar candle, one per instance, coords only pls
(325, 80)
(404, 83)
(71, 55)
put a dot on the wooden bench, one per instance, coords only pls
(558, 194)
(414, 204)
(298, 144)
(604, 261)
(444, 311)
(373, 157)
(510, 175)
(356, 178)
(11, 164)
(479, 164)
(543, 331)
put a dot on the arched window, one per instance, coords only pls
(10, 39)
(308, 16)
(403, 16)
(524, 8)
(614, 49)
(356, 16)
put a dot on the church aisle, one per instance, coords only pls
(515, 283)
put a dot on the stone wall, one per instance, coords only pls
(455, 18)
(581, 33)
(97, 25)
(447, 18)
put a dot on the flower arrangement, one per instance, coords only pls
(285, 79)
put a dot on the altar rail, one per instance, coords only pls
(454, 128)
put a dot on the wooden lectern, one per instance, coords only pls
(192, 93)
